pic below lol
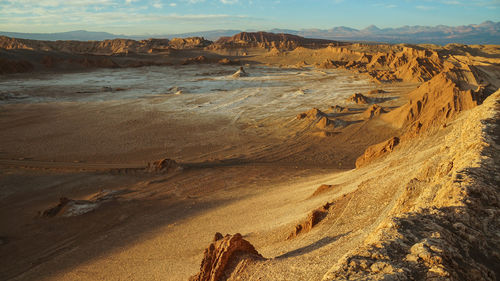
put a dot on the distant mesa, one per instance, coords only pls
(270, 40)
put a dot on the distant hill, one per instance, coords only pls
(80, 35)
(485, 33)
(209, 35)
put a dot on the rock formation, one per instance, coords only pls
(69, 207)
(358, 98)
(338, 109)
(373, 111)
(240, 73)
(195, 60)
(163, 166)
(325, 123)
(311, 114)
(223, 256)
(269, 41)
(312, 220)
(375, 151)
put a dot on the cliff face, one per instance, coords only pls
(270, 40)
(395, 64)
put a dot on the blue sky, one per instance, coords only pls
(177, 16)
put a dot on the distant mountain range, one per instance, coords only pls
(485, 33)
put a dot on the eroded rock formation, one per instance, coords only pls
(223, 256)
(373, 111)
(375, 151)
(315, 217)
(358, 98)
(163, 166)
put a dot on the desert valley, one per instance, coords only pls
(259, 156)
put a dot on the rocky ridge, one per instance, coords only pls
(443, 223)
(274, 41)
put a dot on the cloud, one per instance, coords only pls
(453, 2)
(424, 8)
(172, 4)
(229, 1)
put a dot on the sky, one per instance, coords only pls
(142, 17)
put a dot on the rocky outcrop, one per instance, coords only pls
(436, 102)
(322, 120)
(444, 223)
(376, 151)
(189, 43)
(374, 110)
(325, 123)
(315, 217)
(69, 207)
(269, 40)
(195, 60)
(240, 73)
(338, 109)
(358, 98)
(395, 63)
(311, 114)
(224, 255)
(163, 166)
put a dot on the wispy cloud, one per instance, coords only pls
(425, 8)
